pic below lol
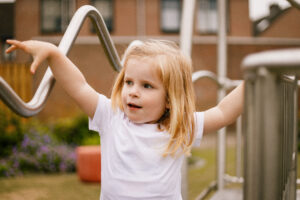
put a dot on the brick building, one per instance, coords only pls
(132, 19)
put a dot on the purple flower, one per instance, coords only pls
(44, 149)
(16, 164)
(47, 139)
(63, 167)
(25, 141)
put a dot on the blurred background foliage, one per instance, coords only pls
(36, 147)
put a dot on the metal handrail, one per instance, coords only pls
(275, 59)
(226, 84)
(222, 83)
(206, 74)
(271, 124)
(36, 104)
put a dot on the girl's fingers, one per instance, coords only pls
(10, 49)
(32, 47)
(15, 44)
(34, 65)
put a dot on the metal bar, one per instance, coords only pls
(206, 74)
(270, 130)
(186, 30)
(212, 186)
(186, 34)
(251, 132)
(15, 103)
(222, 73)
(293, 175)
(141, 18)
(238, 150)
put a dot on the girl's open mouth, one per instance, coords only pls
(133, 106)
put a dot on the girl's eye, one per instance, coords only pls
(147, 86)
(129, 82)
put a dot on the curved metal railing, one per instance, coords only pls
(36, 104)
(226, 84)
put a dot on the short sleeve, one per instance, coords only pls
(199, 122)
(102, 114)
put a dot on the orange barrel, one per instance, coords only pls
(88, 163)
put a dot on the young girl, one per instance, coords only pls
(150, 121)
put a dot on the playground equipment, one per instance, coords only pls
(270, 128)
(36, 104)
(225, 84)
(271, 124)
(263, 180)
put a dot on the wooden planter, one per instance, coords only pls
(89, 163)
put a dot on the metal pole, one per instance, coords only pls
(141, 18)
(186, 34)
(239, 146)
(222, 73)
(186, 27)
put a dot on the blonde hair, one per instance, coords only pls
(175, 71)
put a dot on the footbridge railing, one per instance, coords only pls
(36, 104)
(270, 124)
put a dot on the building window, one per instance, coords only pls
(6, 29)
(105, 8)
(56, 15)
(207, 16)
(170, 15)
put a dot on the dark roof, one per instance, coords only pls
(262, 24)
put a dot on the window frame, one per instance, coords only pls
(206, 30)
(179, 11)
(109, 25)
(213, 32)
(65, 19)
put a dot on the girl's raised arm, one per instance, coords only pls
(226, 112)
(64, 71)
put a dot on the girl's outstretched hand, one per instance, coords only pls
(74, 83)
(40, 51)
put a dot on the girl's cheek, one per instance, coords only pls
(123, 94)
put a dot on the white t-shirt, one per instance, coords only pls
(132, 166)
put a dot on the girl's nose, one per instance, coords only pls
(134, 91)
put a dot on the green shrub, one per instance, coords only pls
(75, 131)
(11, 130)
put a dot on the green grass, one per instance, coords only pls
(48, 187)
(201, 177)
